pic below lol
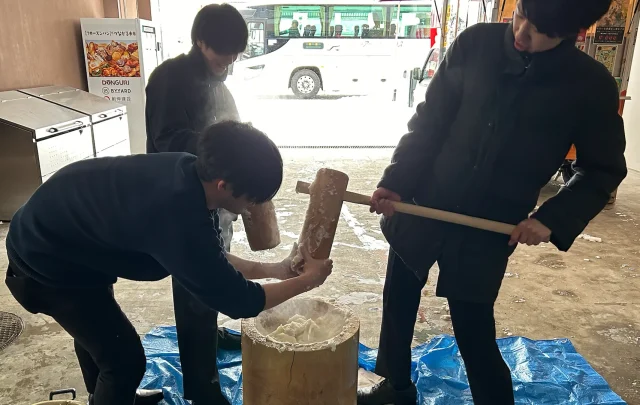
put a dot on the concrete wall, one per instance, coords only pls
(111, 8)
(40, 42)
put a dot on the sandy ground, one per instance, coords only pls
(590, 295)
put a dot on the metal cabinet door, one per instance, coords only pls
(110, 132)
(120, 149)
(150, 49)
(58, 151)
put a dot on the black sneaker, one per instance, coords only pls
(228, 340)
(384, 393)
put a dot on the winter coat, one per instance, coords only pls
(183, 99)
(495, 126)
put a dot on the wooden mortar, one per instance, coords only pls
(324, 373)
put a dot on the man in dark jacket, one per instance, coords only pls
(184, 96)
(500, 115)
(143, 218)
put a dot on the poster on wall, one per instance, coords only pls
(610, 29)
(619, 83)
(609, 35)
(447, 29)
(606, 54)
(113, 63)
(456, 20)
(581, 40)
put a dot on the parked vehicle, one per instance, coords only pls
(341, 46)
(429, 68)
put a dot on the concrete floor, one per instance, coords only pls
(590, 295)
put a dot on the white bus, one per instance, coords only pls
(344, 47)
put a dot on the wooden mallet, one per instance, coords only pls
(261, 225)
(424, 212)
(320, 223)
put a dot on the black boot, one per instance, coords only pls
(384, 393)
(143, 397)
(228, 341)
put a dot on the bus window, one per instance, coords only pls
(255, 45)
(414, 22)
(357, 21)
(298, 21)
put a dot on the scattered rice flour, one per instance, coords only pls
(590, 238)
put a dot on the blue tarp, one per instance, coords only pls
(544, 371)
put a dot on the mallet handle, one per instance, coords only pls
(425, 212)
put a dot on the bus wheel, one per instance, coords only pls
(305, 83)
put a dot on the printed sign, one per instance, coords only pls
(113, 62)
(609, 35)
(582, 36)
(445, 29)
(581, 40)
(120, 90)
(619, 83)
(606, 54)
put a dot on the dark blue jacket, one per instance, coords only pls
(140, 217)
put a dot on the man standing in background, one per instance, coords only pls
(185, 95)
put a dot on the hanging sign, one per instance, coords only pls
(609, 35)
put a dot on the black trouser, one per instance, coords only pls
(197, 328)
(109, 350)
(473, 325)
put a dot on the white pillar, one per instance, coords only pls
(631, 114)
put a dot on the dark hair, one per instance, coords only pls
(222, 28)
(244, 157)
(564, 18)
